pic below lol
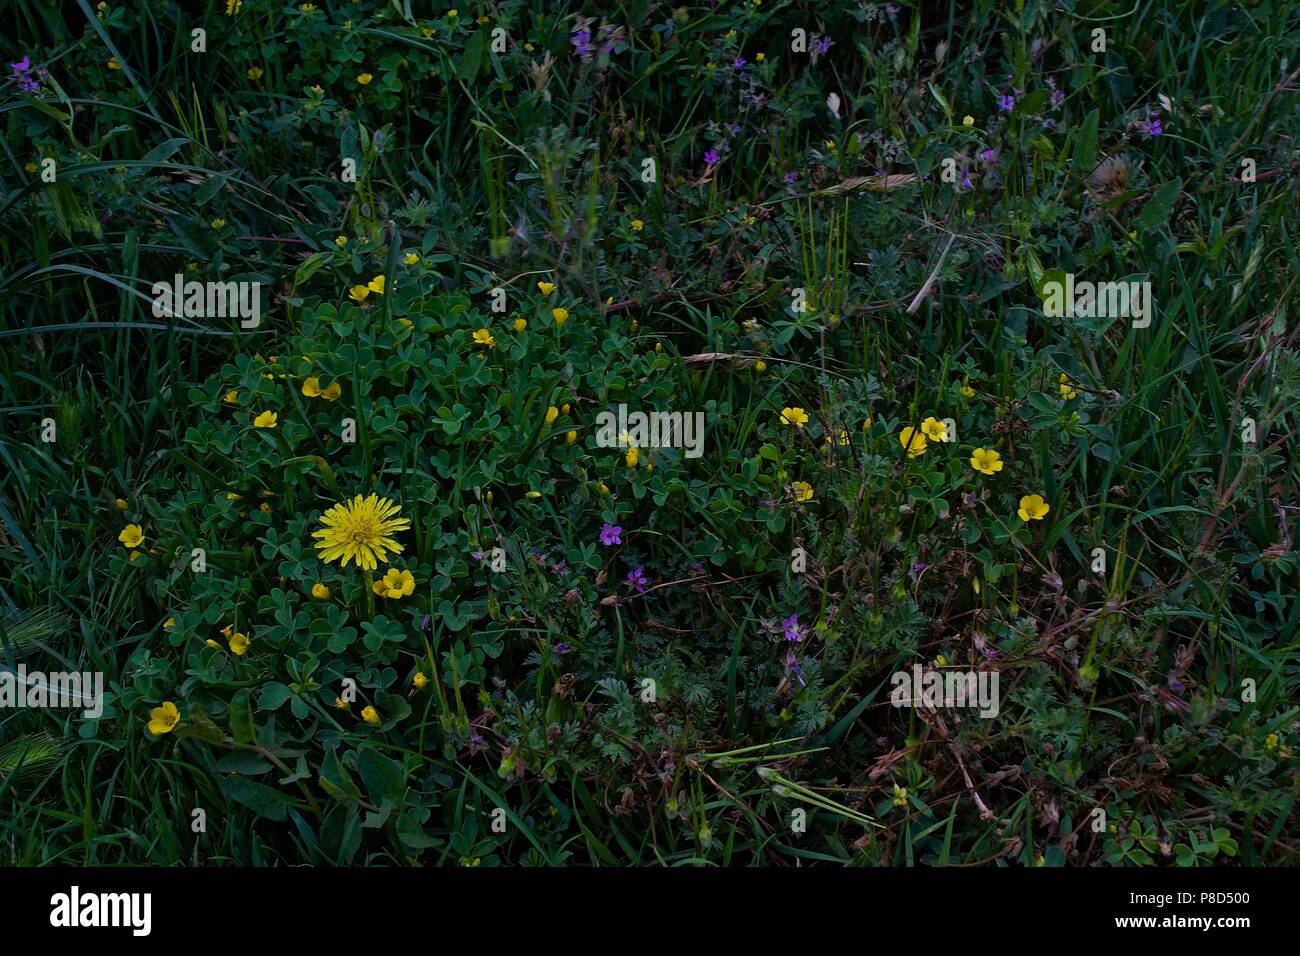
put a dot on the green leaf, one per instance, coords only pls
(382, 776)
(241, 718)
(1085, 145)
(261, 799)
(1159, 206)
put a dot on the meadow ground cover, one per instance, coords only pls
(749, 433)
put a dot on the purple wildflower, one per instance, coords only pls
(793, 632)
(1058, 97)
(990, 157)
(1006, 102)
(822, 45)
(711, 157)
(26, 76)
(610, 533)
(739, 63)
(563, 647)
(792, 667)
(581, 42)
(965, 179)
(1151, 126)
(790, 178)
(637, 579)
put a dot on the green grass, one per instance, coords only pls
(1121, 690)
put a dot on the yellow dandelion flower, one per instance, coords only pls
(360, 531)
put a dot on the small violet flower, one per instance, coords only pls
(637, 579)
(610, 534)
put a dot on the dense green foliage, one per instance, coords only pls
(676, 182)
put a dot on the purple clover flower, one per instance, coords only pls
(610, 534)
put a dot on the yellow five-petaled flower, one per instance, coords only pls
(794, 416)
(394, 584)
(986, 461)
(914, 441)
(163, 720)
(1033, 508)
